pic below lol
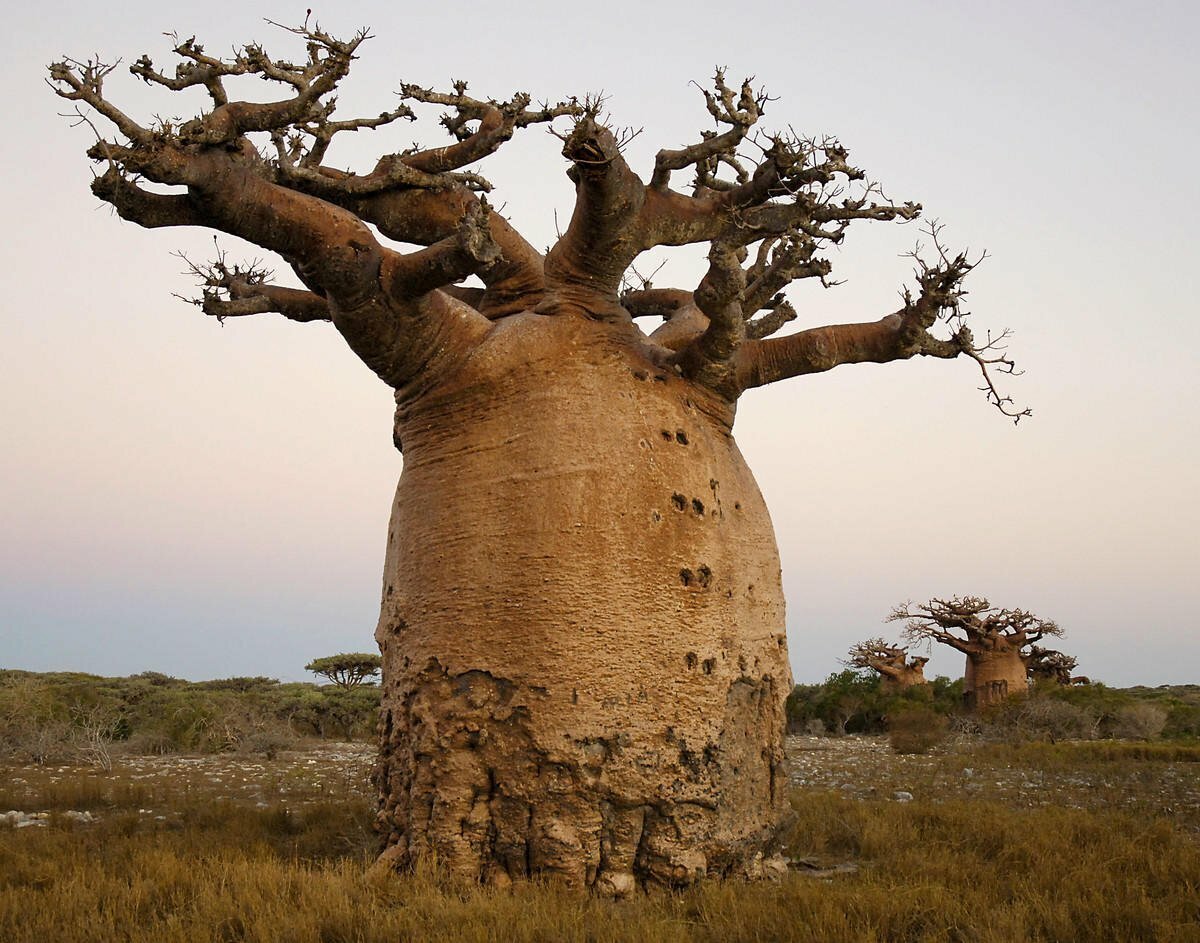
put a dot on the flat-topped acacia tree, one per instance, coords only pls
(582, 624)
(346, 669)
(994, 640)
(896, 670)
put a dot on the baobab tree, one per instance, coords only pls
(891, 662)
(582, 623)
(1048, 664)
(994, 641)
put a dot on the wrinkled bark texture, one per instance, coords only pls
(582, 622)
(908, 676)
(992, 676)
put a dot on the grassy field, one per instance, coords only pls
(1055, 842)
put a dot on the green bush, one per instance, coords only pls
(854, 702)
(71, 717)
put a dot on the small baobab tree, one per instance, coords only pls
(1050, 665)
(582, 617)
(994, 640)
(897, 671)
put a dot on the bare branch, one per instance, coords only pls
(739, 112)
(143, 207)
(941, 297)
(323, 130)
(779, 312)
(328, 63)
(230, 291)
(390, 173)
(84, 81)
(452, 259)
(972, 625)
(496, 123)
(683, 321)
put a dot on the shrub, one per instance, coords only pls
(1183, 722)
(267, 742)
(1036, 716)
(1139, 722)
(916, 729)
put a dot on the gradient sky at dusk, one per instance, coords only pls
(211, 501)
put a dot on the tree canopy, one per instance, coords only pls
(769, 205)
(972, 625)
(347, 670)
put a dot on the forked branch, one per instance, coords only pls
(231, 291)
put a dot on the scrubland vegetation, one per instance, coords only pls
(856, 702)
(1005, 837)
(74, 717)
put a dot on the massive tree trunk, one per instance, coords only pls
(582, 622)
(991, 676)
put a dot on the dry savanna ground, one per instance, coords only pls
(1059, 842)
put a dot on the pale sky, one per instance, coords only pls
(212, 501)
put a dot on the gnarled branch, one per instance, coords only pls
(972, 625)
(231, 291)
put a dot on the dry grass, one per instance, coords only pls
(952, 865)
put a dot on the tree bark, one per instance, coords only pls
(902, 678)
(582, 622)
(993, 675)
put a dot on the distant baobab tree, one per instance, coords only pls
(897, 671)
(994, 641)
(1046, 663)
(582, 619)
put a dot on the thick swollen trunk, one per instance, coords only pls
(582, 624)
(903, 679)
(992, 676)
